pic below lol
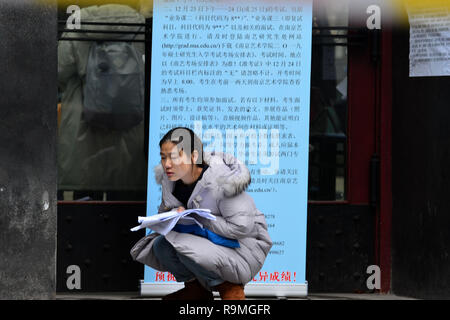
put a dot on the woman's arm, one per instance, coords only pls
(237, 217)
(163, 208)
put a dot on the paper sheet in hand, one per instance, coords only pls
(164, 222)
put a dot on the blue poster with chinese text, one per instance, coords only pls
(238, 74)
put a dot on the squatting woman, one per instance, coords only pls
(227, 252)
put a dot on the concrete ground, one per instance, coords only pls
(313, 296)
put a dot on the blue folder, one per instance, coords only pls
(205, 233)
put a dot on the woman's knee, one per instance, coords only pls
(162, 248)
(159, 245)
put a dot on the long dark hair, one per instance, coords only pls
(185, 139)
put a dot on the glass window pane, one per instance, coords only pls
(101, 112)
(328, 122)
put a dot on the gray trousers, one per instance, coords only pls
(181, 267)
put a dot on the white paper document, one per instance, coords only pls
(164, 222)
(429, 40)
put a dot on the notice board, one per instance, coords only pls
(429, 41)
(238, 74)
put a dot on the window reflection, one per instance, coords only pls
(328, 113)
(101, 157)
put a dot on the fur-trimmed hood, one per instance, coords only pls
(225, 171)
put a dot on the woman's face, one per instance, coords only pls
(175, 163)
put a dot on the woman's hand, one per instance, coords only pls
(181, 209)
